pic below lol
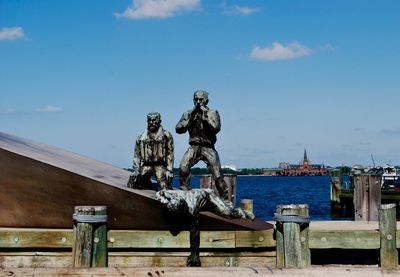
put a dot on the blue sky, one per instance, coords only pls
(284, 75)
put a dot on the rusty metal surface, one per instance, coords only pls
(40, 185)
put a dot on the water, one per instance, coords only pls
(268, 192)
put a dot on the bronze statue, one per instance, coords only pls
(203, 124)
(185, 206)
(154, 156)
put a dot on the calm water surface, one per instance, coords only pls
(268, 192)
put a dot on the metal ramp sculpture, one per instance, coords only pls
(41, 184)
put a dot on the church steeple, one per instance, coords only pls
(305, 159)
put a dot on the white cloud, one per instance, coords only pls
(327, 47)
(50, 109)
(239, 10)
(393, 131)
(280, 52)
(12, 33)
(7, 111)
(142, 9)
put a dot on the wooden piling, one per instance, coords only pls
(387, 229)
(90, 237)
(336, 186)
(206, 181)
(304, 237)
(367, 197)
(280, 251)
(292, 245)
(247, 205)
(100, 253)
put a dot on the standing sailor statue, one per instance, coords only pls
(203, 124)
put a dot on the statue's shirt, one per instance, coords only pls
(152, 147)
(202, 130)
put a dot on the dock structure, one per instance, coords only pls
(331, 271)
(361, 198)
(328, 242)
(61, 212)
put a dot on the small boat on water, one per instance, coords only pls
(390, 176)
(364, 181)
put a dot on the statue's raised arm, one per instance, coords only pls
(183, 123)
(211, 118)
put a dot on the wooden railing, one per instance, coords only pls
(221, 248)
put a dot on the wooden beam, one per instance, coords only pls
(140, 259)
(344, 239)
(255, 239)
(164, 239)
(257, 271)
(62, 238)
(35, 238)
(322, 235)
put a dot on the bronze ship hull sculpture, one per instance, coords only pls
(40, 185)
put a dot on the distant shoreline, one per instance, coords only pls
(261, 175)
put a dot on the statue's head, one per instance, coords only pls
(200, 98)
(153, 121)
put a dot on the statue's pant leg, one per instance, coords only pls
(188, 160)
(211, 158)
(144, 177)
(160, 172)
(194, 258)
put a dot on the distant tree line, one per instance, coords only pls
(204, 171)
(345, 170)
(251, 171)
(199, 171)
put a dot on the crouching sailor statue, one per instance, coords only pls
(154, 156)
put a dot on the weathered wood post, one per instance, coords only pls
(292, 228)
(206, 181)
(90, 237)
(336, 186)
(387, 229)
(367, 197)
(247, 205)
(304, 235)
